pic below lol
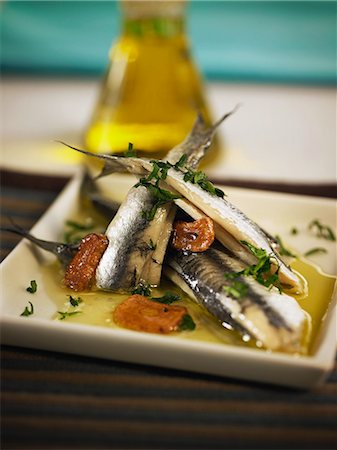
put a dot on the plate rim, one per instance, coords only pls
(320, 363)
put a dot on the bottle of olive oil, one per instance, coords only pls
(152, 91)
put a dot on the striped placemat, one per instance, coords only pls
(60, 401)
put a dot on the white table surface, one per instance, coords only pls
(280, 134)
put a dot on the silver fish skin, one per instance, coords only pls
(129, 235)
(234, 221)
(223, 212)
(63, 252)
(129, 258)
(276, 320)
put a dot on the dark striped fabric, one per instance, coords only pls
(58, 401)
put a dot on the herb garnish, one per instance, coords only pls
(322, 231)
(294, 230)
(32, 288)
(142, 289)
(76, 230)
(74, 301)
(145, 289)
(162, 196)
(236, 289)
(283, 251)
(167, 298)
(130, 152)
(159, 172)
(261, 271)
(64, 314)
(200, 178)
(196, 177)
(28, 312)
(181, 162)
(187, 323)
(314, 251)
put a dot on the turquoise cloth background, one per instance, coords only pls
(231, 40)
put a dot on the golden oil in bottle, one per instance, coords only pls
(152, 91)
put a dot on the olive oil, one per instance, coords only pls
(97, 307)
(152, 91)
(320, 291)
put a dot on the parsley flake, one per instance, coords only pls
(130, 152)
(261, 271)
(65, 314)
(322, 231)
(200, 178)
(315, 251)
(167, 298)
(181, 162)
(76, 230)
(32, 288)
(236, 289)
(142, 289)
(28, 311)
(161, 196)
(187, 323)
(74, 301)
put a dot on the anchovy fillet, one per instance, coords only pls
(227, 216)
(276, 320)
(137, 247)
(63, 252)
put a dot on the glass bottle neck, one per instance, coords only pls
(161, 27)
(160, 18)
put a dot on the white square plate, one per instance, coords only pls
(275, 212)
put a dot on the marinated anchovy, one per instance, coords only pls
(130, 257)
(232, 220)
(130, 235)
(236, 225)
(63, 252)
(274, 319)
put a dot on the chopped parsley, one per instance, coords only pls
(283, 251)
(130, 152)
(236, 289)
(187, 323)
(322, 231)
(162, 196)
(32, 288)
(167, 298)
(75, 301)
(76, 230)
(294, 231)
(200, 178)
(142, 289)
(28, 311)
(65, 314)
(315, 251)
(261, 271)
(145, 289)
(181, 162)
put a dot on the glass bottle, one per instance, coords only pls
(152, 90)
